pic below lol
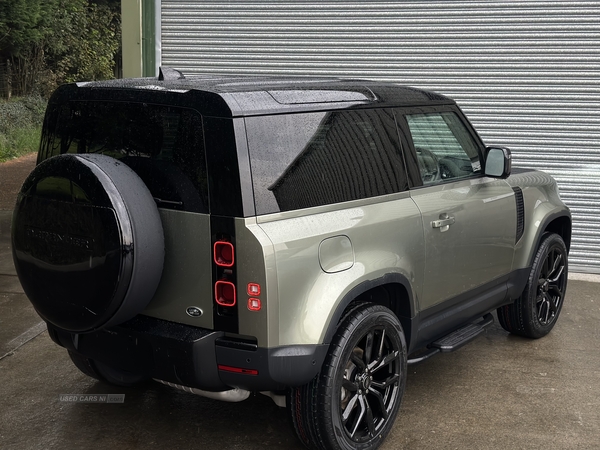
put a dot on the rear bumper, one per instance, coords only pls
(195, 357)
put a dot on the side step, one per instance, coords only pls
(462, 336)
(454, 340)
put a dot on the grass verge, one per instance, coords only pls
(20, 126)
(19, 142)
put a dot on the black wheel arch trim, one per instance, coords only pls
(366, 286)
(543, 228)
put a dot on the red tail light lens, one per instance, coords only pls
(237, 370)
(254, 304)
(223, 254)
(254, 289)
(225, 293)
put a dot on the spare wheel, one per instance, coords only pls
(87, 242)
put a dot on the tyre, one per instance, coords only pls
(102, 372)
(353, 402)
(536, 311)
(87, 242)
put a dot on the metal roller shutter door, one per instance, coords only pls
(527, 73)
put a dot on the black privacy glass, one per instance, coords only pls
(304, 160)
(164, 145)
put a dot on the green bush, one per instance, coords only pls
(20, 126)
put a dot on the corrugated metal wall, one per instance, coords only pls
(527, 73)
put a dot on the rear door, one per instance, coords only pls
(468, 219)
(164, 145)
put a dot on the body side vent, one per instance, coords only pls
(520, 213)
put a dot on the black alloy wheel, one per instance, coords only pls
(353, 402)
(535, 313)
(551, 286)
(367, 393)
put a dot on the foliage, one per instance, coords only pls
(23, 23)
(49, 42)
(86, 43)
(20, 126)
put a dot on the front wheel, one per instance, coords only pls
(353, 402)
(536, 311)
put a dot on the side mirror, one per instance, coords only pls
(498, 162)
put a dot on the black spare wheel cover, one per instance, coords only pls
(87, 242)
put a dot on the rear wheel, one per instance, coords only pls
(536, 311)
(353, 402)
(102, 372)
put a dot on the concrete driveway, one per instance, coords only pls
(499, 392)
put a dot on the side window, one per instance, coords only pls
(445, 148)
(304, 160)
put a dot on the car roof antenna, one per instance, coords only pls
(169, 74)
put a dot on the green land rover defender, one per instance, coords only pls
(305, 238)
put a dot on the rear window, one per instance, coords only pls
(304, 160)
(164, 145)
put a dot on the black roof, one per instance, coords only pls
(246, 96)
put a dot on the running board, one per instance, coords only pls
(454, 340)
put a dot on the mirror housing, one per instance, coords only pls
(498, 162)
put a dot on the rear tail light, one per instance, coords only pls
(225, 293)
(224, 276)
(223, 254)
(254, 304)
(238, 370)
(253, 289)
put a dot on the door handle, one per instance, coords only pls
(444, 222)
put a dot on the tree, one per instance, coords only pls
(49, 42)
(85, 43)
(23, 25)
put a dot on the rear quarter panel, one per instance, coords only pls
(386, 237)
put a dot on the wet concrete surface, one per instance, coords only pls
(498, 392)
